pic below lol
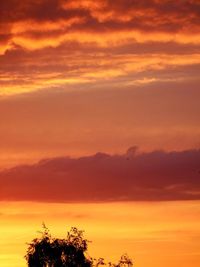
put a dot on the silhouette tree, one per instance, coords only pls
(124, 261)
(51, 252)
(69, 252)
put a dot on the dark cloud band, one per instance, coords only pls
(151, 176)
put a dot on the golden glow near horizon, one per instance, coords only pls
(154, 234)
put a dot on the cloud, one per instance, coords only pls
(156, 175)
(71, 64)
(104, 23)
(83, 42)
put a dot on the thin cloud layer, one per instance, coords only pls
(150, 176)
(64, 43)
(22, 72)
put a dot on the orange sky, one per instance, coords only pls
(82, 82)
(153, 234)
(81, 77)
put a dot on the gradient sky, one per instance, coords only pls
(102, 97)
(155, 234)
(78, 77)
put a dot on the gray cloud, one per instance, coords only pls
(157, 175)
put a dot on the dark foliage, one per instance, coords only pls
(54, 252)
(69, 252)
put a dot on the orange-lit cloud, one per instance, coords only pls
(85, 41)
(21, 73)
(103, 23)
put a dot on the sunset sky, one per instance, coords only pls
(100, 116)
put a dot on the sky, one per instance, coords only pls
(99, 103)
(153, 234)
